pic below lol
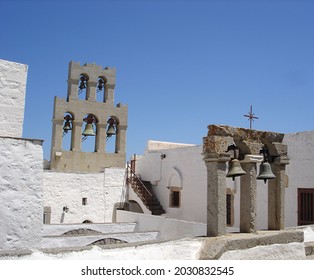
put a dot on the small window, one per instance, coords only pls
(230, 206)
(47, 215)
(84, 201)
(175, 197)
(305, 206)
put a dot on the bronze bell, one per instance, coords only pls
(110, 131)
(67, 126)
(89, 131)
(100, 84)
(82, 84)
(235, 169)
(265, 172)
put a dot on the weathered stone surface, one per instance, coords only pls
(213, 248)
(216, 198)
(216, 146)
(291, 251)
(248, 142)
(240, 134)
(248, 198)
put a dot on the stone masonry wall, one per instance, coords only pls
(12, 94)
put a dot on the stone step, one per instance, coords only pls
(309, 248)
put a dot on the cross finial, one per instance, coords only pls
(251, 117)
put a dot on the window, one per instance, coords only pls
(175, 197)
(229, 205)
(84, 201)
(47, 215)
(305, 206)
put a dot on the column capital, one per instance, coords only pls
(58, 121)
(276, 149)
(77, 123)
(73, 81)
(110, 86)
(101, 125)
(248, 147)
(92, 83)
(283, 160)
(216, 144)
(122, 127)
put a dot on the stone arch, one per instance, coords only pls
(175, 187)
(67, 134)
(81, 231)
(175, 178)
(89, 125)
(100, 91)
(112, 139)
(83, 86)
(135, 207)
(107, 241)
(87, 222)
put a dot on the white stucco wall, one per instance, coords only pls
(168, 229)
(300, 170)
(114, 191)
(21, 196)
(102, 190)
(12, 94)
(182, 167)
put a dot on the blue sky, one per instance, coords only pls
(181, 65)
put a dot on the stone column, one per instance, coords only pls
(276, 194)
(215, 157)
(57, 132)
(91, 91)
(76, 136)
(72, 89)
(121, 139)
(101, 137)
(248, 198)
(109, 93)
(216, 196)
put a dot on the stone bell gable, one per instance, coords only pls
(89, 111)
(249, 142)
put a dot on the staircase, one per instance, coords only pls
(155, 206)
(145, 192)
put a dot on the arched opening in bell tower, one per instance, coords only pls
(89, 131)
(100, 91)
(67, 135)
(111, 133)
(83, 87)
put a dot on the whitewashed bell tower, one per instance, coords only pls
(88, 112)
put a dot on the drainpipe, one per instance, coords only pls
(162, 157)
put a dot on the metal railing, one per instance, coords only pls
(139, 188)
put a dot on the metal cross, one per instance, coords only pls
(251, 117)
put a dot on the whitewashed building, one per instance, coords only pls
(21, 165)
(178, 176)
